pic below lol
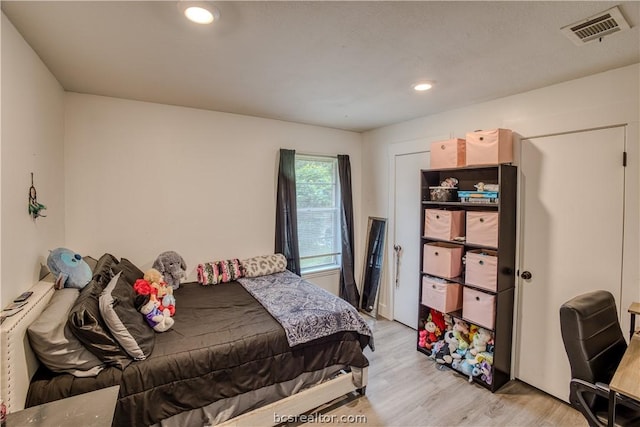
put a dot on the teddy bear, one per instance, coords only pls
(161, 290)
(160, 321)
(461, 332)
(480, 341)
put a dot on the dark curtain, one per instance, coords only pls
(286, 212)
(348, 288)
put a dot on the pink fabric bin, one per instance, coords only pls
(482, 228)
(444, 297)
(448, 154)
(478, 307)
(442, 260)
(481, 269)
(489, 147)
(444, 225)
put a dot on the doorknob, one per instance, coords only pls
(397, 248)
(526, 275)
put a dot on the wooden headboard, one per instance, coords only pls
(18, 363)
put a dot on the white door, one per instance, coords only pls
(572, 193)
(407, 236)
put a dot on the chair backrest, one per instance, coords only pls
(592, 336)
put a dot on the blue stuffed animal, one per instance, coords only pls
(69, 269)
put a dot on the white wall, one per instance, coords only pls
(600, 100)
(32, 141)
(142, 178)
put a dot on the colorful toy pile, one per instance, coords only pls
(465, 347)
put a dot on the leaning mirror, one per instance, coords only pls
(374, 257)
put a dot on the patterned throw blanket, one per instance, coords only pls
(304, 310)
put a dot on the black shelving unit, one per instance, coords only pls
(506, 178)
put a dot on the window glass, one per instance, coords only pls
(318, 202)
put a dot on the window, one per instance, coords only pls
(318, 203)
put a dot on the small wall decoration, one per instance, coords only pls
(34, 206)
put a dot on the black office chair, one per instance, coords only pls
(594, 344)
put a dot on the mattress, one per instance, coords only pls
(223, 344)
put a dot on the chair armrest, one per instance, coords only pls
(578, 389)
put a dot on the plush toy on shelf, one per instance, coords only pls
(69, 269)
(461, 332)
(480, 340)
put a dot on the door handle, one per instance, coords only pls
(526, 275)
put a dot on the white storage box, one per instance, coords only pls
(441, 295)
(448, 154)
(442, 260)
(482, 228)
(478, 307)
(481, 269)
(489, 147)
(444, 225)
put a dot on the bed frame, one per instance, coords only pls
(18, 364)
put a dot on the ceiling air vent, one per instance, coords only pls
(596, 27)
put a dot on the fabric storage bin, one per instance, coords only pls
(478, 307)
(489, 147)
(481, 269)
(448, 154)
(441, 295)
(444, 225)
(482, 228)
(442, 260)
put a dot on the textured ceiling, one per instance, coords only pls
(346, 65)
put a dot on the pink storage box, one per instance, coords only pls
(481, 269)
(478, 307)
(444, 225)
(448, 154)
(482, 228)
(442, 260)
(444, 297)
(489, 147)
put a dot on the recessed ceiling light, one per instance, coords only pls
(422, 86)
(199, 12)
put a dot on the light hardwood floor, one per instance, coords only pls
(407, 389)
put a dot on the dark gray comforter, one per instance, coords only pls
(223, 343)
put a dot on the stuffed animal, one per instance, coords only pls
(161, 290)
(485, 370)
(160, 321)
(172, 266)
(70, 270)
(422, 339)
(461, 332)
(444, 355)
(479, 341)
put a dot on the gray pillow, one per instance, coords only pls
(54, 343)
(264, 265)
(127, 325)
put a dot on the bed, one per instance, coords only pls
(226, 359)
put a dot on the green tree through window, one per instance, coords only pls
(317, 193)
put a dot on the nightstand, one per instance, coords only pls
(94, 409)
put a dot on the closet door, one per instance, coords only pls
(572, 194)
